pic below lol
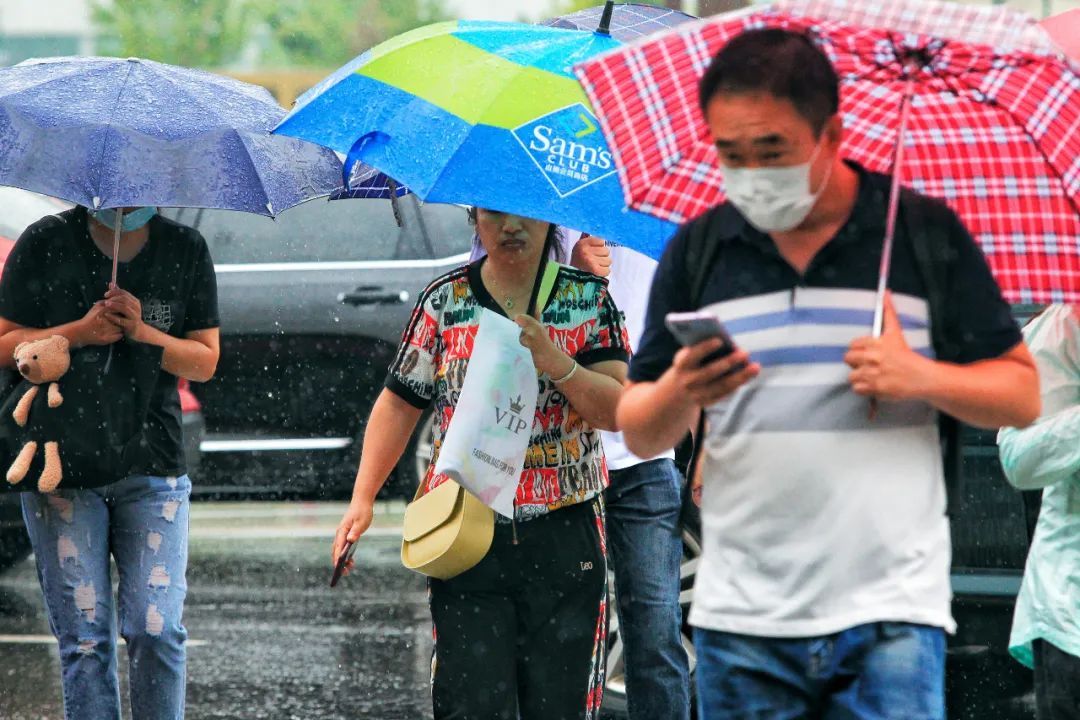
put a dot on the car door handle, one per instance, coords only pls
(373, 295)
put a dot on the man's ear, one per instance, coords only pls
(834, 131)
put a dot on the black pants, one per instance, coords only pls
(525, 630)
(1057, 683)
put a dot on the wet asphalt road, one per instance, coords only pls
(268, 637)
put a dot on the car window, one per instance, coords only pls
(448, 229)
(316, 231)
(20, 208)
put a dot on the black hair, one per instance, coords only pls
(786, 64)
(553, 241)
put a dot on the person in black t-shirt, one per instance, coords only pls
(57, 282)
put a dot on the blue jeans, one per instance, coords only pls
(880, 671)
(143, 522)
(643, 505)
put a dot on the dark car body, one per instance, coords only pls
(313, 305)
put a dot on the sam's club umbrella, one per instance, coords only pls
(625, 22)
(972, 105)
(481, 113)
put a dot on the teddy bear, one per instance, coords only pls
(40, 362)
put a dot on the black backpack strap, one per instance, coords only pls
(930, 244)
(701, 253)
(698, 261)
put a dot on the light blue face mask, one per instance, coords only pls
(132, 220)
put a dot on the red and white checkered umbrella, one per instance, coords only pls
(993, 126)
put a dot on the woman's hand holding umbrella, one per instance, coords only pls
(124, 310)
(592, 254)
(95, 328)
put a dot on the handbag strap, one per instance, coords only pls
(547, 287)
(419, 490)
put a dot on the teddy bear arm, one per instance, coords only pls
(55, 398)
(22, 410)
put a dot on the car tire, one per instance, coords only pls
(614, 705)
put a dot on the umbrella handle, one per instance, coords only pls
(116, 245)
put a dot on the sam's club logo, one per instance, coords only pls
(568, 147)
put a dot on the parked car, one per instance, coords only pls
(18, 209)
(991, 529)
(313, 305)
(194, 427)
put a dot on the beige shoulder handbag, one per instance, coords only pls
(449, 530)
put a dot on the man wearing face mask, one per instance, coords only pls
(823, 589)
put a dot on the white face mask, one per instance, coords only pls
(774, 199)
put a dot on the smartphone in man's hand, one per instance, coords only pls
(694, 328)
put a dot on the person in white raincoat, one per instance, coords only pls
(1046, 456)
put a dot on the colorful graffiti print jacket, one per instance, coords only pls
(564, 464)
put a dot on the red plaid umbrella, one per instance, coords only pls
(993, 127)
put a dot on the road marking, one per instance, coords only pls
(50, 640)
(300, 512)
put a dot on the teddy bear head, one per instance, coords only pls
(43, 361)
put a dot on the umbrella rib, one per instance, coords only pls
(255, 168)
(210, 110)
(105, 139)
(213, 111)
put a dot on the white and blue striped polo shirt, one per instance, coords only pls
(816, 518)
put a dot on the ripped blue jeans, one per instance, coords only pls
(143, 523)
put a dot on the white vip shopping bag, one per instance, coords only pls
(484, 448)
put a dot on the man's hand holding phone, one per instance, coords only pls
(710, 367)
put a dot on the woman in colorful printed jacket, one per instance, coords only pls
(522, 633)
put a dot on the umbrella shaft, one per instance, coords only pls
(116, 245)
(893, 211)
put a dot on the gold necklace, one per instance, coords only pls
(508, 300)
